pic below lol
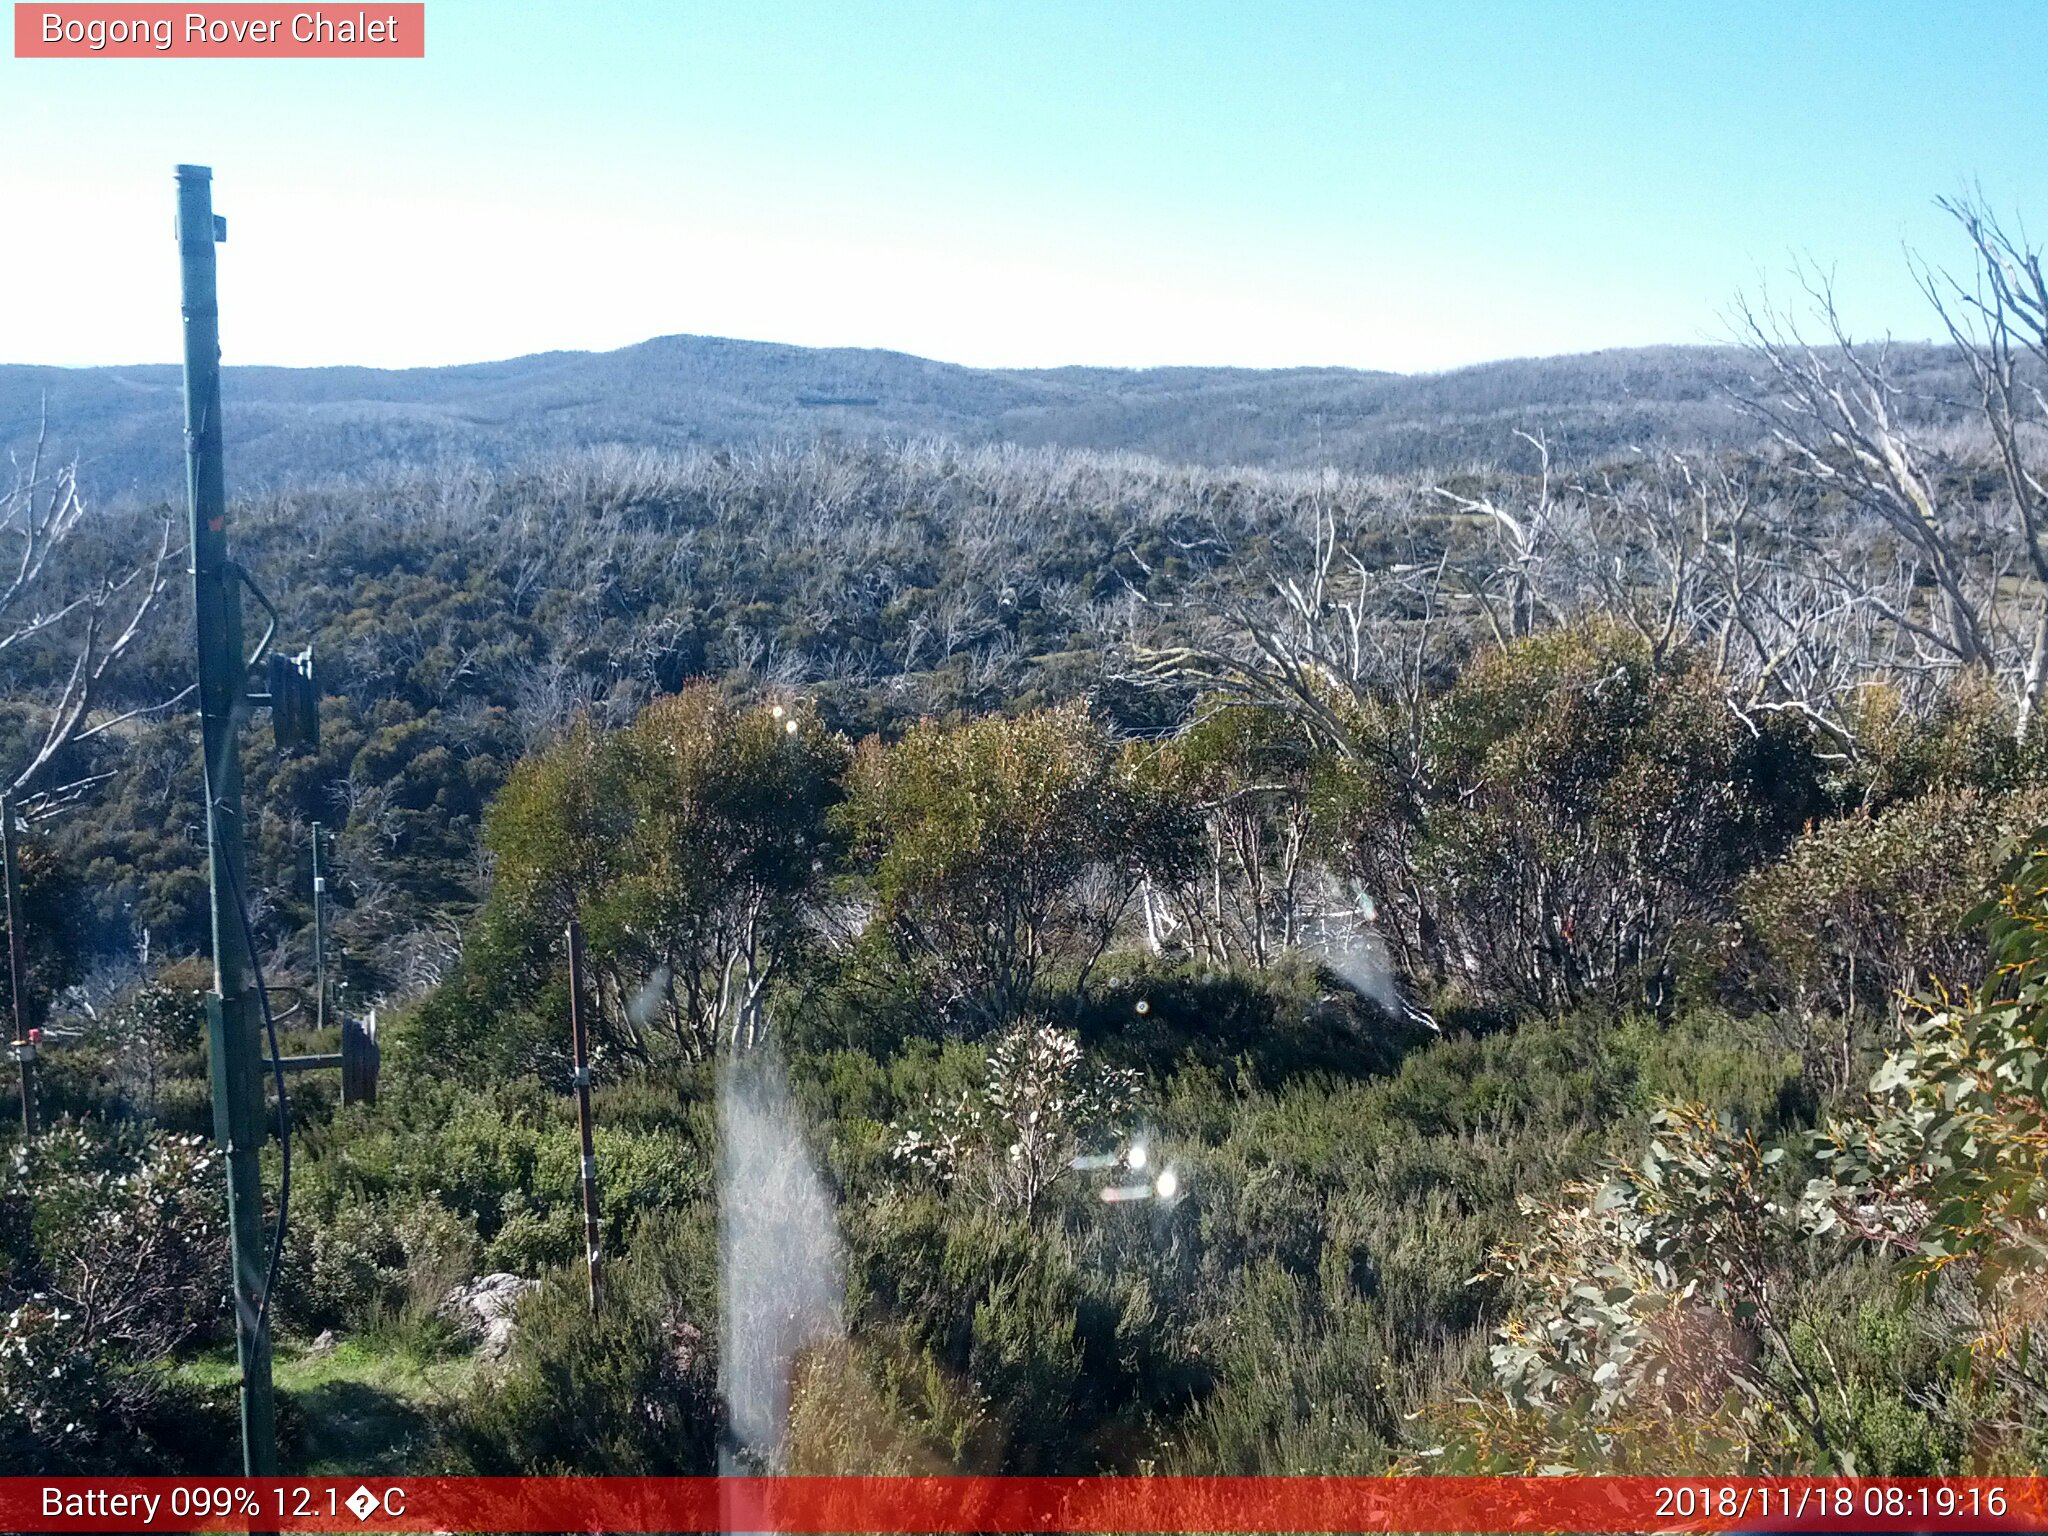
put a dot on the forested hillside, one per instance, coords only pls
(298, 426)
(1514, 966)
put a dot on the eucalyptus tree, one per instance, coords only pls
(1002, 851)
(689, 845)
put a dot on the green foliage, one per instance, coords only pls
(1001, 848)
(151, 1047)
(1308, 1385)
(1058, 1360)
(1580, 811)
(366, 1265)
(1964, 737)
(730, 840)
(1014, 1136)
(1294, 1018)
(1233, 876)
(126, 1230)
(1949, 1158)
(631, 1392)
(73, 1405)
(115, 1244)
(1658, 1316)
(688, 845)
(441, 1181)
(1865, 912)
(53, 916)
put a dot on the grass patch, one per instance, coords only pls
(360, 1407)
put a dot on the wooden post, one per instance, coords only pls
(579, 1036)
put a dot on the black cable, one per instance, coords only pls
(284, 1103)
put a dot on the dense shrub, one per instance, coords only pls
(1582, 810)
(1865, 912)
(1963, 737)
(1233, 881)
(1001, 849)
(1063, 1356)
(365, 1265)
(688, 845)
(632, 1391)
(115, 1248)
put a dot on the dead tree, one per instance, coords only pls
(1999, 322)
(1846, 425)
(102, 616)
(1516, 591)
(96, 619)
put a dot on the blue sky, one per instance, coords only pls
(1023, 182)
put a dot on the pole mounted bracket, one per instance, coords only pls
(293, 696)
(294, 703)
(220, 230)
(360, 1060)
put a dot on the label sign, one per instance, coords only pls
(234, 31)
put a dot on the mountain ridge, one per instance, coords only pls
(292, 425)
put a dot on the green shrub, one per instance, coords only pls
(631, 1392)
(1578, 815)
(1965, 738)
(1864, 911)
(365, 1264)
(1064, 1355)
(1289, 1020)
(75, 1404)
(1001, 849)
(116, 1258)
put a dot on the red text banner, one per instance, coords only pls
(810, 1506)
(231, 31)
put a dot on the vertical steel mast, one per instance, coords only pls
(232, 1008)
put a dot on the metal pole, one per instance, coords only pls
(319, 935)
(579, 1036)
(17, 968)
(232, 1011)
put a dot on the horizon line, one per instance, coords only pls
(1131, 368)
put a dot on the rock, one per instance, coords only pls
(324, 1345)
(483, 1309)
(686, 1344)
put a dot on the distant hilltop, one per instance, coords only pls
(288, 425)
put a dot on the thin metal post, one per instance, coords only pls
(232, 1009)
(17, 968)
(579, 1036)
(319, 935)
